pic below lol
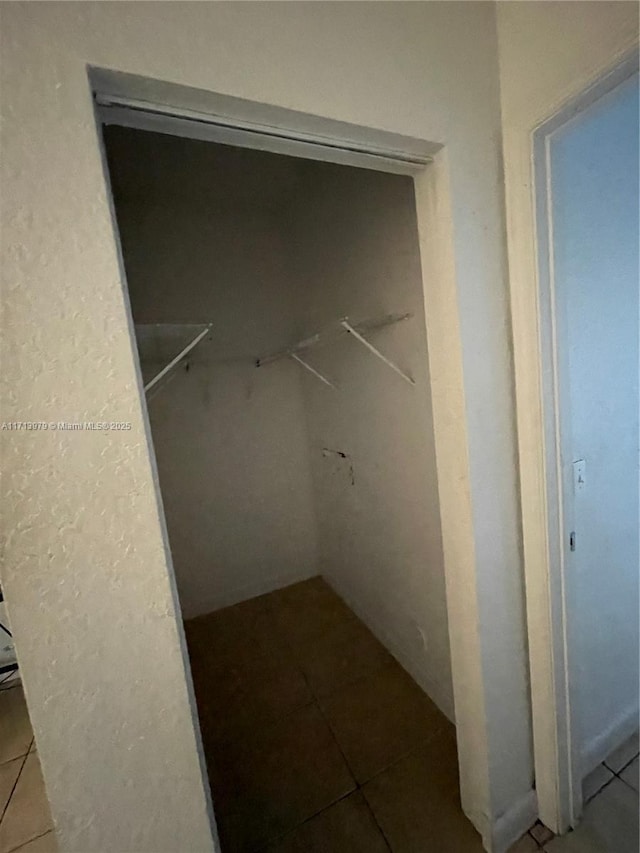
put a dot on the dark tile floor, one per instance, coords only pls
(315, 738)
(318, 742)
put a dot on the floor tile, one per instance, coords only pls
(270, 783)
(43, 844)
(308, 610)
(630, 774)
(8, 775)
(15, 728)
(541, 833)
(248, 655)
(244, 631)
(243, 673)
(526, 844)
(624, 754)
(416, 805)
(234, 708)
(248, 693)
(27, 815)
(595, 781)
(346, 827)
(609, 824)
(379, 719)
(277, 774)
(340, 656)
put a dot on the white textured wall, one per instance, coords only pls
(86, 559)
(356, 250)
(230, 439)
(578, 40)
(231, 447)
(86, 577)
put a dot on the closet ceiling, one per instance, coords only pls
(143, 166)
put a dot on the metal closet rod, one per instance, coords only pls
(356, 330)
(178, 358)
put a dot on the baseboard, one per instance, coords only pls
(513, 824)
(601, 746)
(261, 586)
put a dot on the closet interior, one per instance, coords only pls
(278, 309)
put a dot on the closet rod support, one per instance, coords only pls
(178, 358)
(346, 325)
(316, 373)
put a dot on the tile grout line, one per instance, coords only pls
(331, 694)
(35, 838)
(358, 786)
(400, 758)
(603, 786)
(340, 750)
(375, 820)
(624, 782)
(317, 702)
(15, 784)
(286, 641)
(357, 789)
(318, 699)
(293, 829)
(615, 776)
(535, 841)
(599, 792)
(623, 768)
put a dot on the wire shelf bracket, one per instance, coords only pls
(178, 358)
(312, 370)
(349, 328)
(357, 330)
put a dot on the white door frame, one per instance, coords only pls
(131, 101)
(145, 104)
(546, 515)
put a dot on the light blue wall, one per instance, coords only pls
(594, 169)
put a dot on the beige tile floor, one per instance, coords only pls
(25, 819)
(611, 815)
(325, 743)
(610, 823)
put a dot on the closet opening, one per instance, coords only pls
(278, 309)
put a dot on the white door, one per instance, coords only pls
(593, 171)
